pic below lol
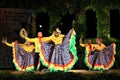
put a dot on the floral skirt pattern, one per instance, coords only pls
(24, 61)
(101, 60)
(61, 56)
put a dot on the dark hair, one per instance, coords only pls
(16, 38)
(99, 39)
(54, 29)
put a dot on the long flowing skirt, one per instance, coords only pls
(23, 61)
(61, 56)
(101, 60)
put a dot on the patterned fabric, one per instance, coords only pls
(101, 60)
(61, 56)
(24, 61)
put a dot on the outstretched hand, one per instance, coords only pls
(80, 40)
(4, 40)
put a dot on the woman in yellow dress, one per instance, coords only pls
(22, 55)
(102, 57)
(61, 54)
(37, 42)
(89, 47)
(38, 45)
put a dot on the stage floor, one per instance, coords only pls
(88, 72)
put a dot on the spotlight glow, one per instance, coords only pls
(40, 26)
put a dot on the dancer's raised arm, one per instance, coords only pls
(4, 40)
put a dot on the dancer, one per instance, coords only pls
(89, 48)
(62, 54)
(37, 41)
(102, 57)
(22, 55)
